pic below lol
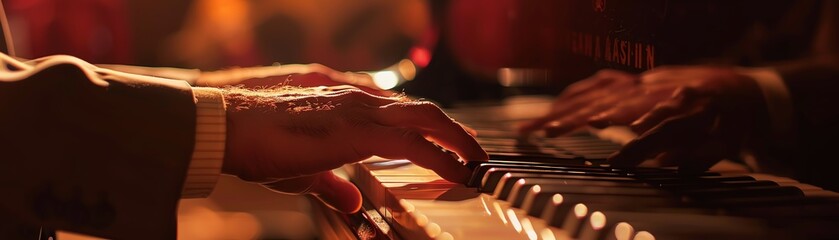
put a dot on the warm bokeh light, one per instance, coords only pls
(407, 69)
(385, 79)
(421, 56)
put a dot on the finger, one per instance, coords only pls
(471, 131)
(615, 116)
(683, 99)
(682, 130)
(561, 110)
(580, 118)
(629, 110)
(296, 185)
(337, 192)
(668, 74)
(398, 143)
(550, 118)
(584, 86)
(429, 120)
(589, 95)
(575, 121)
(602, 79)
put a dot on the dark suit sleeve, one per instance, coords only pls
(813, 85)
(104, 158)
(814, 91)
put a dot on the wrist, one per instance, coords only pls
(207, 156)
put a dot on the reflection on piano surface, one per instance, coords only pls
(558, 189)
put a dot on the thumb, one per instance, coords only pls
(335, 192)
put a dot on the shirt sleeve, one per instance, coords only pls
(210, 132)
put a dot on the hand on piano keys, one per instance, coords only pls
(690, 116)
(289, 139)
(560, 188)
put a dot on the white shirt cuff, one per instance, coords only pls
(210, 133)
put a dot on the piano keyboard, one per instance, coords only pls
(557, 189)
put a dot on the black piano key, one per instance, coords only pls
(501, 179)
(809, 209)
(666, 174)
(709, 185)
(758, 191)
(480, 173)
(480, 168)
(556, 157)
(670, 181)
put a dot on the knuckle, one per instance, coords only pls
(428, 108)
(687, 92)
(410, 135)
(665, 107)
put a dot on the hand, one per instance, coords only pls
(297, 75)
(610, 97)
(687, 116)
(289, 139)
(710, 117)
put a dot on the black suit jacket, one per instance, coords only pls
(99, 155)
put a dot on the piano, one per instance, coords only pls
(562, 188)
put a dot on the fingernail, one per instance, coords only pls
(635, 127)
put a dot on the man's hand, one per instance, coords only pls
(710, 117)
(690, 117)
(289, 139)
(297, 75)
(610, 97)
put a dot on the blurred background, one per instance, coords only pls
(448, 51)
(454, 48)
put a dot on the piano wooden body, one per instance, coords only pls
(537, 188)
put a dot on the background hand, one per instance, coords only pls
(610, 97)
(710, 117)
(290, 139)
(691, 117)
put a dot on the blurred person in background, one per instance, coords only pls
(766, 103)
